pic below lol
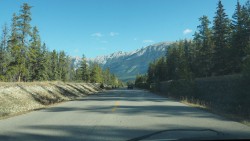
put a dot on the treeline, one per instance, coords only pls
(23, 57)
(220, 49)
(94, 73)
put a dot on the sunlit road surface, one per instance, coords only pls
(120, 115)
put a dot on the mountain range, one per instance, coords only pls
(126, 65)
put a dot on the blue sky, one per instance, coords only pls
(101, 27)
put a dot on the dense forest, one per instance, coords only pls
(222, 48)
(23, 57)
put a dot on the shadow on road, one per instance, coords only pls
(102, 133)
(150, 105)
(131, 103)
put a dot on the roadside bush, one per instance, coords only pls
(142, 85)
(227, 94)
(102, 86)
(182, 88)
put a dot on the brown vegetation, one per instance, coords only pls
(22, 97)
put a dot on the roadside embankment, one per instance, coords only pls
(16, 98)
(226, 95)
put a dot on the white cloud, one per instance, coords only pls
(147, 41)
(187, 31)
(98, 34)
(113, 33)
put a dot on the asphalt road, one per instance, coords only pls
(120, 115)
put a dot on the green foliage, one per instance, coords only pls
(44, 64)
(54, 73)
(5, 56)
(63, 66)
(204, 47)
(246, 64)
(96, 74)
(182, 88)
(24, 58)
(221, 36)
(220, 50)
(23, 23)
(141, 81)
(83, 71)
(34, 55)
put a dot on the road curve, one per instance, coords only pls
(120, 115)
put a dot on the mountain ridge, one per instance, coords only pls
(126, 65)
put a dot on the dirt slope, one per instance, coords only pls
(17, 98)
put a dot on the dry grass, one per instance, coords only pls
(197, 104)
(203, 106)
(19, 98)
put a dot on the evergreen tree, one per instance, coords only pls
(84, 69)
(239, 38)
(72, 71)
(151, 73)
(140, 81)
(107, 76)
(54, 73)
(221, 36)
(12, 71)
(67, 69)
(114, 80)
(203, 40)
(172, 62)
(4, 53)
(161, 69)
(96, 74)
(34, 55)
(62, 66)
(18, 69)
(44, 64)
(24, 27)
(246, 63)
(78, 74)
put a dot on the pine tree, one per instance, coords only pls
(67, 69)
(44, 64)
(96, 74)
(62, 66)
(172, 62)
(114, 80)
(151, 73)
(239, 38)
(54, 73)
(5, 56)
(204, 54)
(107, 76)
(34, 55)
(17, 68)
(84, 69)
(221, 36)
(72, 71)
(24, 28)
(161, 69)
(246, 63)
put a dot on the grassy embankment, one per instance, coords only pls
(228, 96)
(18, 98)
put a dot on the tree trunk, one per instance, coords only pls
(19, 78)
